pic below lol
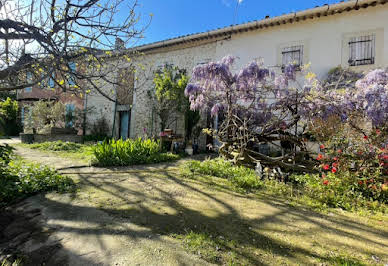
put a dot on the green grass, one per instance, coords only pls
(239, 177)
(311, 193)
(65, 149)
(212, 248)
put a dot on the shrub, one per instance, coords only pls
(334, 190)
(57, 146)
(130, 152)
(339, 191)
(5, 153)
(95, 138)
(359, 161)
(19, 180)
(240, 176)
(9, 120)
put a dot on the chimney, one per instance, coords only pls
(119, 44)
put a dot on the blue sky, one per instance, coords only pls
(172, 18)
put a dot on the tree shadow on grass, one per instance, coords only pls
(238, 235)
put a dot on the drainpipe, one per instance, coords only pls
(84, 116)
(114, 116)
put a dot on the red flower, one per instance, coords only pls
(335, 165)
(335, 158)
(320, 157)
(339, 151)
(365, 137)
(360, 182)
(326, 167)
(378, 132)
(326, 182)
(334, 170)
(322, 147)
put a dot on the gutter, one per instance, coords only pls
(324, 10)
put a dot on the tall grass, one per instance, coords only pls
(130, 152)
(241, 177)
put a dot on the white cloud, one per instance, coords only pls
(230, 3)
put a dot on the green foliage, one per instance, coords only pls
(359, 161)
(19, 179)
(130, 152)
(168, 95)
(56, 146)
(43, 115)
(240, 176)
(337, 191)
(95, 138)
(309, 189)
(6, 152)
(211, 248)
(68, 150)
(99, 130)
(9, 122)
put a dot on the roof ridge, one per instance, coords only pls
(318, 11)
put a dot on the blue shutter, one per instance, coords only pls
(70, 108)
(71, 78)
(29, 79)
(51, 82)
(22, 115)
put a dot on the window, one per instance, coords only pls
(48, 82)
(71, 76)
(51, 82)
(25, 115)
(29, 80)
(362, 50)
(69, 117)
(292, 55)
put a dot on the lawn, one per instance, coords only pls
(224, 226)
(82, 152)
(232, 220)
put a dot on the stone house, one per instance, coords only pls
(351, 34)
(48, 91)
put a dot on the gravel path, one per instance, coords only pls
(129, 216)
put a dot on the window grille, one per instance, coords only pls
(292, 55)
(362, 50)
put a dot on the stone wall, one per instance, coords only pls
(39, 138)
(144, 119)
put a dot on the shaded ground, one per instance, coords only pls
(148, 215)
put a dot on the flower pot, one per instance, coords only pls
(189, 150)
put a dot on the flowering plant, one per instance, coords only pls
(256, 106)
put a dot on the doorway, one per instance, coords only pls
(124, 124)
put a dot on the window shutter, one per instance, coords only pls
(292, 55)
(29, 80)
(362, 50)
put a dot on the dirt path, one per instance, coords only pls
(138, 218)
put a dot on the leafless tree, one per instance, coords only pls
(73, 43)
